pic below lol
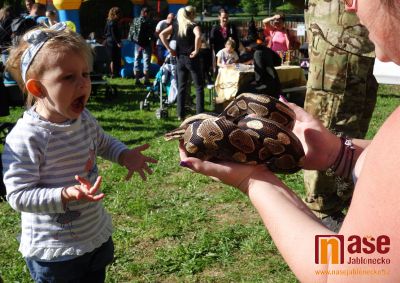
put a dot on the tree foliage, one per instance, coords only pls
(253, 7)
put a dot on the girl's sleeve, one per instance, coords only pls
(108, 147)
(22, 156)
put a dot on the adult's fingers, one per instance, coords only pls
(301, 114)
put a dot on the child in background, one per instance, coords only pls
(49, 160)
(227, 56)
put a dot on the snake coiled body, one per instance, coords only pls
(252, 129)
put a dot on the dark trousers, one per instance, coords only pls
(90, 267)
(265, 73)
(206, 64)
(114, 53)
(184, 66)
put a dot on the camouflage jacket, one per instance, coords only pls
(341, 29)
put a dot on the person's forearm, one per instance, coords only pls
(197, 44)
(268, 20)
(291, 224)
(164, 41)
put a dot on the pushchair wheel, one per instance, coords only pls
(144, 105)
(162, 113)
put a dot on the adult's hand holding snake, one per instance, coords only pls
(235, 174)
(320, 145)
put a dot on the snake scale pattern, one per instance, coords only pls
(252, 129)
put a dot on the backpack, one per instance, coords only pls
(19, 26)
(139, 32)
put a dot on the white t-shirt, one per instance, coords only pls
(159, 28)
(227, 58)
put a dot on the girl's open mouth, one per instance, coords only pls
(78, 104)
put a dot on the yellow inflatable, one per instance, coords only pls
(71, 25)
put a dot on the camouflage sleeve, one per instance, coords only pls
(328, 19)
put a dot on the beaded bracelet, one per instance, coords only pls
(346, 155)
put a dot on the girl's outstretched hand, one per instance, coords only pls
(84, 190)
(320, 145)
(135, 161)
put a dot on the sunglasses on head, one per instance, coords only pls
(350, 5)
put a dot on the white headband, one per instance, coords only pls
(36, 39)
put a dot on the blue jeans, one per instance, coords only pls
(161, 53)
(144, 52)
(90, 267)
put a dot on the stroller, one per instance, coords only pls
(164, 88)
(101, 62)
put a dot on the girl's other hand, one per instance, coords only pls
(135, 161)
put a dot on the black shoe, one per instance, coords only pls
(334, 222)
(138, 83)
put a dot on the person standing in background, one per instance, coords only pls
(188, 43)
(113, 40)
(221, 32)
(276, 34)
(28, 6)
(161, 25)
(341, 92)
(141, 33)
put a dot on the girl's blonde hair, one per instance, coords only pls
(58, 43)
(185, 18)
(231, 42)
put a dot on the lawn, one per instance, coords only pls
(177, 226)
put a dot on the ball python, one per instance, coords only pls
(252, 129)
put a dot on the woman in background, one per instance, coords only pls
(188, 43)
(113, 40)
(276, 34)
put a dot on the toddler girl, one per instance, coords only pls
(49, 160)
(227, 56)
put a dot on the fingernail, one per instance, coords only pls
(185, 164)
(281, 97)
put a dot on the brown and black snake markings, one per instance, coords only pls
(252, 129)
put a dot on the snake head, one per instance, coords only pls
(180, 131)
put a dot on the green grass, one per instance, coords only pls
(178, 226)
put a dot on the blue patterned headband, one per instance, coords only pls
(36, 39)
